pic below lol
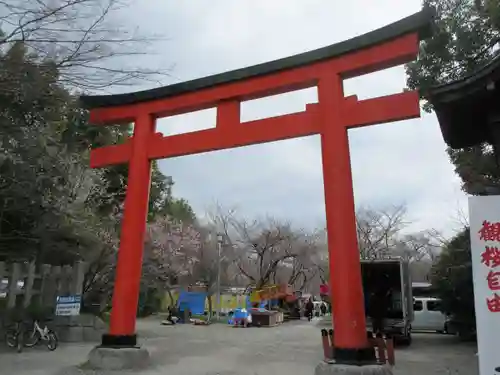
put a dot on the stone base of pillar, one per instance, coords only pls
(124, 358)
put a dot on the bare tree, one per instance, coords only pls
(302, 270)
(80, 39)
(462, 219)
(320, 261)
(423, 246)
(101, 265)
(381, 234)
(378, 230)
(261, 247)
(205, 268)
(222, 220)
(267, 251)
(208, 264)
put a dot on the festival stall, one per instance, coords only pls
(267, 303)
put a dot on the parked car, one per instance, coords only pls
(428, 315)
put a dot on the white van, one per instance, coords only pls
(428, 315)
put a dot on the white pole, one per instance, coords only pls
(217, 294)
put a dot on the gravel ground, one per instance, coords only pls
(293, 348)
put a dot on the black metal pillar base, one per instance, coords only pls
(118, 341)
(355, 357)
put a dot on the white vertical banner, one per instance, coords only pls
(484, 215)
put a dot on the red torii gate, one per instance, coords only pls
(325, 68)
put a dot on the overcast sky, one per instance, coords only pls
(397, 163)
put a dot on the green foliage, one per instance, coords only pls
(492, 9)
(149, 302)
(53, 207)
(477, 168)
(34, 167)
(463, 41)
(34, 311)
(465, 37)
(161, 201)
(452, 278)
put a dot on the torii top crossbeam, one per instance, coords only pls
(388, 46)
(324, 68)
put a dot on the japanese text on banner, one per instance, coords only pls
(490, 257)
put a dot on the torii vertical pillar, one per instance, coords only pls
(129, 264)
(345, 273)
(331, 117)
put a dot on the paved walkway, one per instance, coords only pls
(293, 348)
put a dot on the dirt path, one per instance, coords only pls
(293, 348)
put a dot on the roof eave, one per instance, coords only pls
(466, 86)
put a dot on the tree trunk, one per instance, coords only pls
(210, 308)
(171, 297)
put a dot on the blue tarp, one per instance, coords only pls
(194, 301)
(240, 313)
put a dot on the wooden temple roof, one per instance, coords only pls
(468, 108)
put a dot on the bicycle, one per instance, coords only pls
(33, 336)
(14, 337)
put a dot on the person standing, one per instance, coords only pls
(309, 309)
(378, 309)
(171, 315)
(323, 309)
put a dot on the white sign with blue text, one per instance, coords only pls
(68, 305)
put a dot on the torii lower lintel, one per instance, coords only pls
(232, 133)
(331, 117)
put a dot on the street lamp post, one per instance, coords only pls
(217, 291)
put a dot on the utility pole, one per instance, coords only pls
(217, 293)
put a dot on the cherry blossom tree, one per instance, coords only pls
(171, 250)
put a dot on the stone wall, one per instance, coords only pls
(81, 328)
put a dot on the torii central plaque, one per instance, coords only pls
(331, 117)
